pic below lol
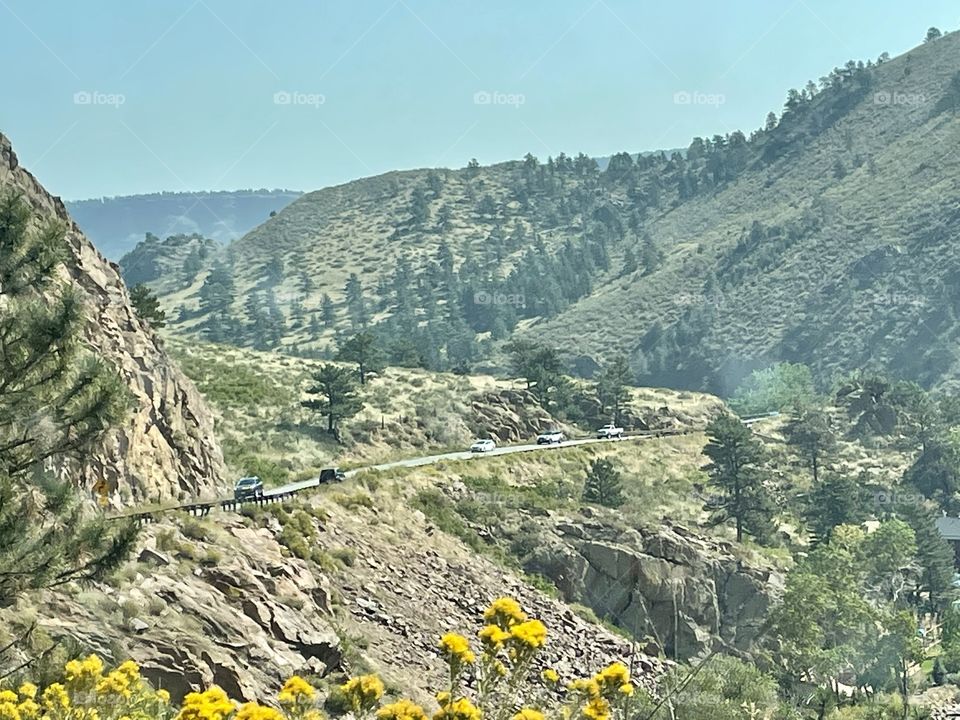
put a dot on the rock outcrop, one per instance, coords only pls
(230, 608)
(166, 448)
(687, 593)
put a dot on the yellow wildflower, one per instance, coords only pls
(456, 648)
(296, 689)
(493, 637)
(443, 698)
(532, 634)
(401, 710)
(500, 669)
(597, 709)
(615, 674)
(8, 696)
(115, 683)
(85, 672)
(55, 697)
(586, 686)
(528, 714)
(462, 709)
(8, 709)
(626, 689)
(211, 704)
(255, 711)
(28, 690)
(28, 709)
(362, 692)
(163, 696)
(504, 612)
(550, 675)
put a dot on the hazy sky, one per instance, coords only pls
(113, 98)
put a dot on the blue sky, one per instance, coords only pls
(112, 98)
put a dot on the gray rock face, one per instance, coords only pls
(166, 449)
(686, 592)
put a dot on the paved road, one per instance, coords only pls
(459, 455)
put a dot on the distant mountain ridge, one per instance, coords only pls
(116, 224)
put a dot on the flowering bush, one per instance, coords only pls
(500, 668)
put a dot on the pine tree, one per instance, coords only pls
(612, 388)
(735, 473)
(328, 311)
(70, 397)
(364, 350)
(147, 306)
(809, 431)
(837, 500)
(334, 396)
(603, 485)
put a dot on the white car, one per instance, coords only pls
(485, 445)
(610, 431)
(551, 437)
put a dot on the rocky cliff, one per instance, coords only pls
(166, 448)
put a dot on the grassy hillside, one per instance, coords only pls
(825, 237)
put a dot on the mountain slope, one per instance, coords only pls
(166, 448)
(837, 248)
(826, 237)
(117, 224)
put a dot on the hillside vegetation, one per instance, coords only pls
(825, 237)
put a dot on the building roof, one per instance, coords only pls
(949, 527)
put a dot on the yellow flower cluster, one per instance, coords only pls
(401, 710)
(511, 642)
(461, 709)
(456, 649)
(211, 704)
(504, 612)
(83, 674)
(531, 634)
(255, 711)
(528, 714)
(362, 693)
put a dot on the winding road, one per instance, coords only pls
(278, 494)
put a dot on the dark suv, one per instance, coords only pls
(247, 488)
(332, 475)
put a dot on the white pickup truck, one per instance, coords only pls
(610, 431)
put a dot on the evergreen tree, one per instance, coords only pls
(734, 471)
(56, 403)
(809, 431)
(837, 500)
(217, 291)
(650, 255)
(613, 388)
(356, 303)
(364, 350)
(147, 306)
(328, 311)
(334, 392)
(603, 484)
